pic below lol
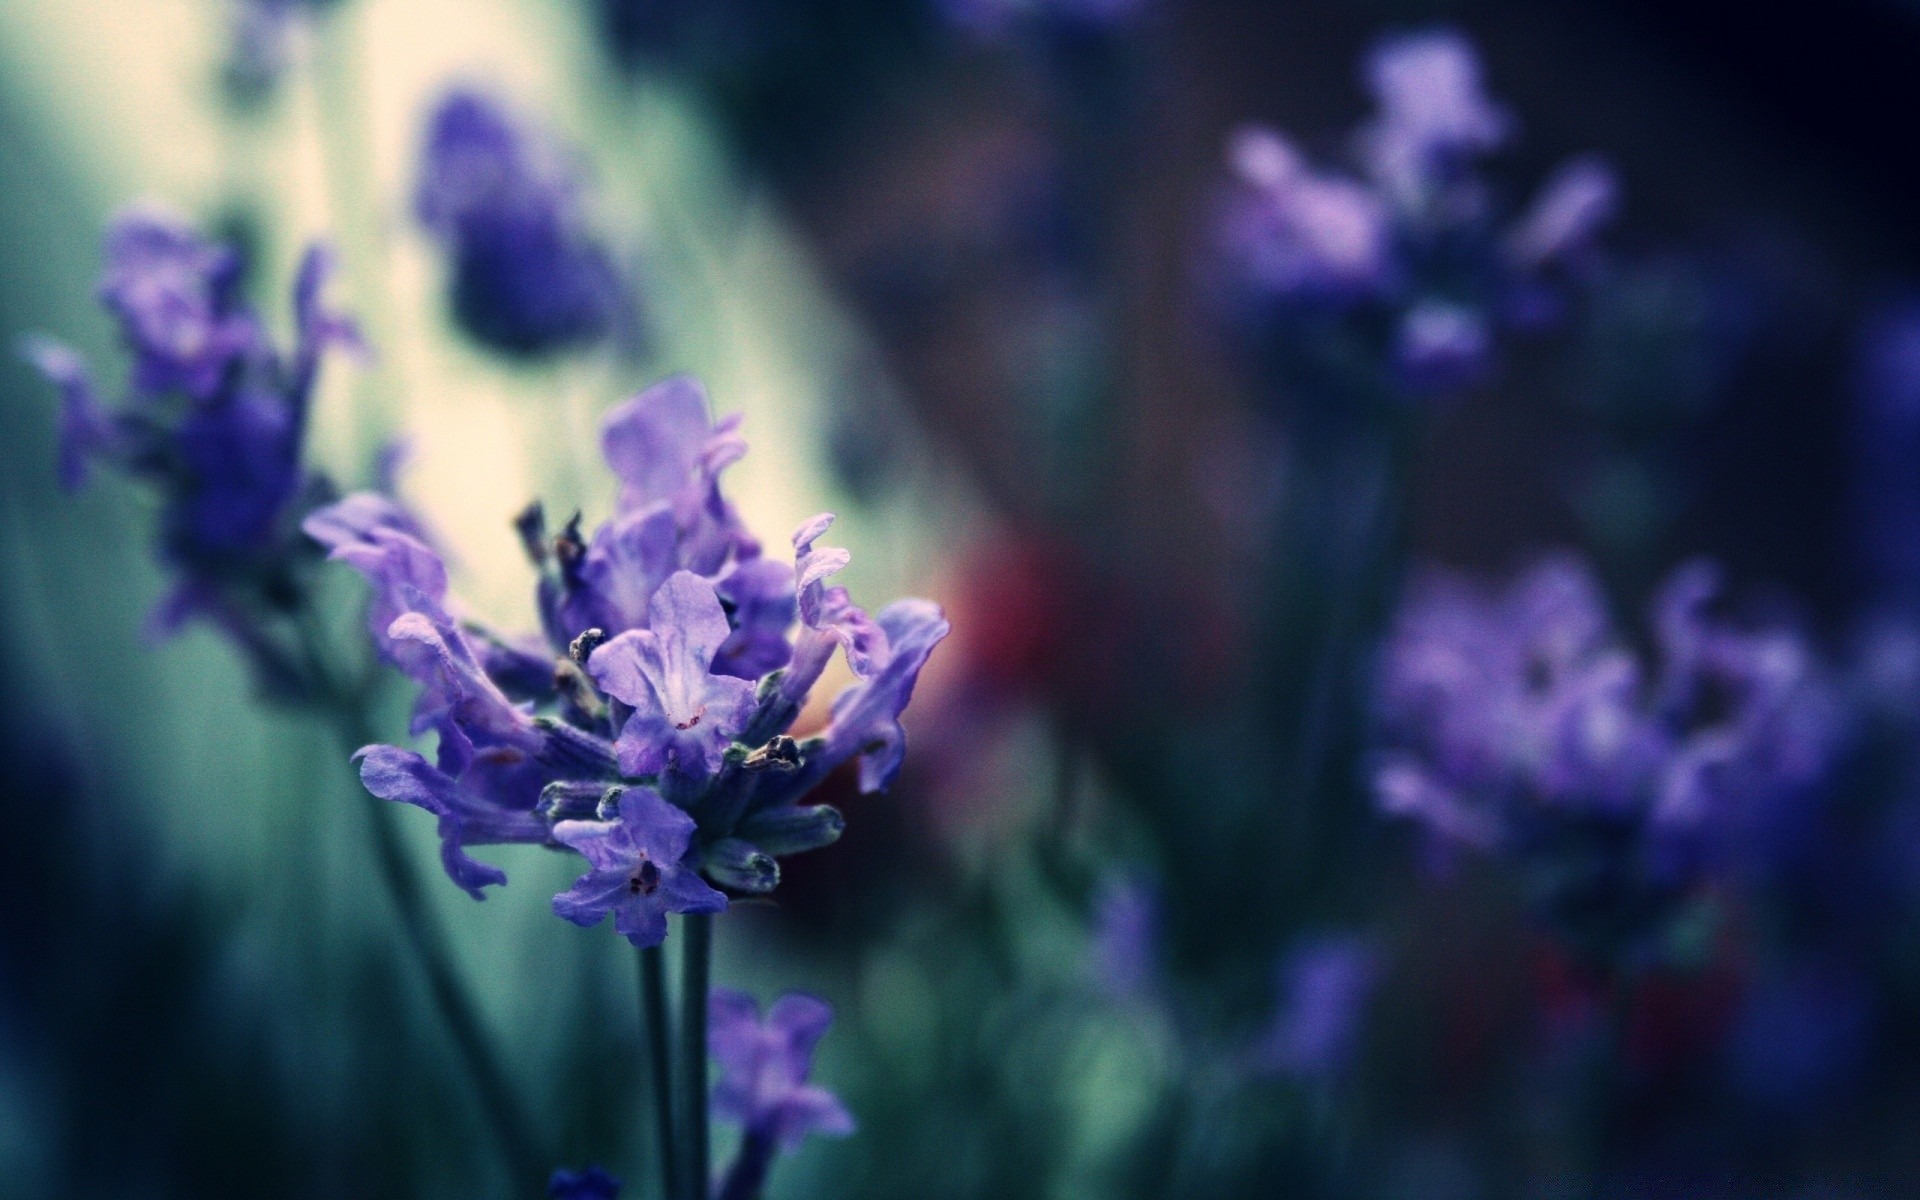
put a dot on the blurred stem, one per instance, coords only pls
(747, 1177)
(340, 97)
(346, 706)
(696, 937)
(653, 1018)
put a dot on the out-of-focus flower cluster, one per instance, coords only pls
(1518, 721)
(1409, 260)
(526, 275)
(646, 727)
(214, 419)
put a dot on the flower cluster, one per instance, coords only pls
(1517, 721)
(526, 275)
(214, 419)
(1406, 261)
(763, 1084)
(646, 728)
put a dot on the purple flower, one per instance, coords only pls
(177, 298)
(1432, 113)
(666, 663)
(491, 802)
(1518, 721)
(684, 715)
(1398, 279)
(637, 873)
(866, 716)
(214, 419)
(1566, 215)
(1294, 233)
(526, 276)
(588, 1183)
(1323, 986)
(764, 1067)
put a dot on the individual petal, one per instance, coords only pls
(807, 1110)
(85, 426)
(403, 776)
(683, 891)
(1566, 215)
(631, 556)
(606, 845)
(644, 924)
(798, 1022)
(759, 595)
(866, 717)
(653, 442)
(733, 1029)
(657, 829)
(591, 897)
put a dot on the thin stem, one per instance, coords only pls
(427, 940)
(346, 706)
(653, 1020)
(696, 935)
(747, 1177)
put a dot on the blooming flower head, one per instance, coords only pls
(645, 726)
(213, 418)
(764, 1065)
(525, 275)
(1518, 721)
(1399, 276)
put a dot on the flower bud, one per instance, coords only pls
(743, 867)
(792, 828)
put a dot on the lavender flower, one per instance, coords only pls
(1517, 722)
(526, 276)
(214, 420)
(1399, 277)
(637, 872)
(588, 1183)
(646, 728)
(1323, 986)
(763, 1083)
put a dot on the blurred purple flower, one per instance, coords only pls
(763, 1085)
(1323, 985)
(1400, 279)
(214, 419)
(588, 1183)
(526, 276)
(1517, 721)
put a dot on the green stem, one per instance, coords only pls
(653, 1018)
(696, 935)
(427, 940)
(346, 705)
